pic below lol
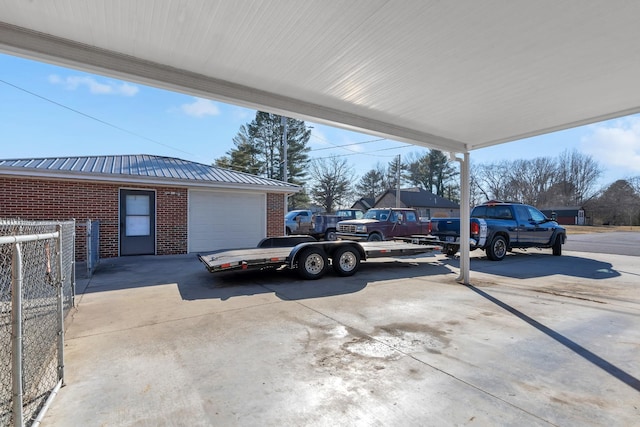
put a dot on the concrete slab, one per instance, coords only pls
(537, 340)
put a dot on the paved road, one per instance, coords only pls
(618, 243)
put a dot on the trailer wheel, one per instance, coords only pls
(346, 261)
(450, 250)
(312, 263)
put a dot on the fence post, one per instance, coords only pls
(60, 288)
(16, 335)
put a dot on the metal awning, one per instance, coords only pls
(455, 76)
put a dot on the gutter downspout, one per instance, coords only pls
(465, 216)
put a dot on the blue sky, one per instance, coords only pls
(51, 111)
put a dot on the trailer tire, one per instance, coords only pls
(312, 263)
(346, 261)
(450, 250)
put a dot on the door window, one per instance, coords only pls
(138, 220)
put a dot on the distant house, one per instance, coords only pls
(566, 215)
(364, 203)
(146, 205)
(425, 202)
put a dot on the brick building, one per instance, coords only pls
(146, 204)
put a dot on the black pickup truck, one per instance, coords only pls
(498, 227)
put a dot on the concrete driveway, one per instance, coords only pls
(537, 340)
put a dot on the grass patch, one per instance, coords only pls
(586, 229)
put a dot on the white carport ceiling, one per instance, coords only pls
(454, 75)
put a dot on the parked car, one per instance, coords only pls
(298, 221)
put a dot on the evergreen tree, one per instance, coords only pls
(433, 172)
(259, 150)
(372, 183)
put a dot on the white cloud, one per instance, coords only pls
(200, 108)
(95, 87)
(615, 144)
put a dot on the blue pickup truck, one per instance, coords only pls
(323, 226)
(498, 227)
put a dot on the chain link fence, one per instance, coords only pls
(37, 280)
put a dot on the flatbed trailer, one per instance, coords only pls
(309, 257)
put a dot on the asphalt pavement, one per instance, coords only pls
(619, 243)
(537, 340)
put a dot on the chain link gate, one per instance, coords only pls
(36, 292)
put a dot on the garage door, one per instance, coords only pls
(222, 220)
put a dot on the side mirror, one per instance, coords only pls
(399, 218)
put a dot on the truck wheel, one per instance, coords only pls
(450, 250)
(557, 246)
(374, 237)
(330, 235)
(312, 263)
(346, 261)
(497, 250)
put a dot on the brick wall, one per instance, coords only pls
(47, 199)
(275, 214)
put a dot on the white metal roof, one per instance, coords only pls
(454, 75)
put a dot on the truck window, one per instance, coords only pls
(503, 212)
(479, 212)
(410, 216)
(522, 212)
(536, 215)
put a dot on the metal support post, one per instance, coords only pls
(465, 217)
(16, 335)
(60, 288)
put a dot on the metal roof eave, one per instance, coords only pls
(285, 188)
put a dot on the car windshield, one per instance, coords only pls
(379, 214)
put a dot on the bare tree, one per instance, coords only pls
(493, 180)
(580, 173)
(332, 180)
(544, 181)
(619, 204)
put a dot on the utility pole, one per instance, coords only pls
(284, 160)
(284, 148)
(398, 182)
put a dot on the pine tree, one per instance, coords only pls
(259, 150)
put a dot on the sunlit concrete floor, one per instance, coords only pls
(537, 340)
